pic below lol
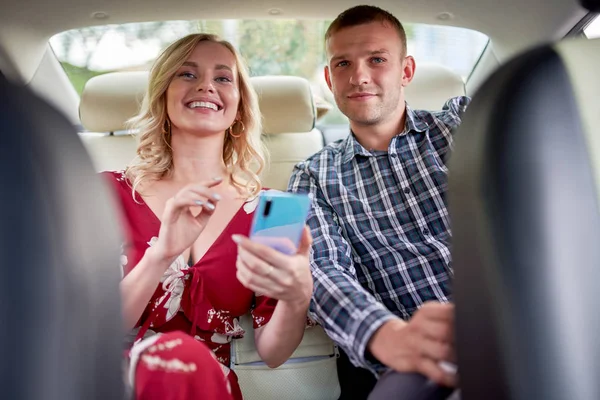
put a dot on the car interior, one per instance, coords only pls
(523, 243)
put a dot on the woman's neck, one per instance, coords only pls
(197, 159)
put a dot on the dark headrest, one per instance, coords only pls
(523, 202)
(59, 257)
(590, 5)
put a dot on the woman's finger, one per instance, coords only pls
(261, 251)
(191, 199)
(201, 190)
(260, 267)
(250, 276)
(188, 202)
(259, 283)
(305, 242)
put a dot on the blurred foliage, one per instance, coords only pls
(270, 47)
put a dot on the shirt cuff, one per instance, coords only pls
(360, 354)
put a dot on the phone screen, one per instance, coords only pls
(279, 220)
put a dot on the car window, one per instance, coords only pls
(592, 31)
(271, 47)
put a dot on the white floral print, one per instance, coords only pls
(172, 284)
(250, 205)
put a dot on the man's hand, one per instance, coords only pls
(420, 344)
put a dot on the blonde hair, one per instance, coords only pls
(154, 153)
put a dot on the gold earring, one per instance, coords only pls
(230, 130)
(243, 127)
(166, 130)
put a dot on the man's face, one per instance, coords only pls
(366, 72)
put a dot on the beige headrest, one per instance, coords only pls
(432, 86)
(111, 99)
(286, 104)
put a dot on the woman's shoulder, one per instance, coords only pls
(118, 182)
(114, 176)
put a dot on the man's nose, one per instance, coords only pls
(360, 75)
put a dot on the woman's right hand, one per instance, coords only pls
(185, 216)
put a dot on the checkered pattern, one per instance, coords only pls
(381, 228)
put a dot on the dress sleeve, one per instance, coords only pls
(111, 179)
(262, 311)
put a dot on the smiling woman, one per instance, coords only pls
(271, 47)
(186, 202)
(183, 75)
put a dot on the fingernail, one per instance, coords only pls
(209, 206)
(448, 367)
(236, 238)
(216, 196)
(198, 202)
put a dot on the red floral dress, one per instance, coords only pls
(204, 300)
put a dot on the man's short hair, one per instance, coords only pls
(365, 14)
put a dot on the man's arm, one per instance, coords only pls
(453, 110)
(446, 123)
(372, 336)
(349, 314)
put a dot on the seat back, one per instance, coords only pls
(61, 337)
(107, 102)
(524, 197)
(289, 115)
(432, 85)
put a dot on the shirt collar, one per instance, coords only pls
(351, 147)
(414, 123)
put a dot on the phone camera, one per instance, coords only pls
(267, 209)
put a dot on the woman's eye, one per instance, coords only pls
(223, 79)
(187, 75)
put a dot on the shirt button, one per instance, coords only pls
(395, 155)
(425, 231)
(407, 190)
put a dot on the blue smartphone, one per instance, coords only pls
(279, 220)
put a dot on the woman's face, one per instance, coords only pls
(203, 96)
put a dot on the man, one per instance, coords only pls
(380, 256)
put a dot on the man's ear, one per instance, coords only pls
(408, 70)
(327, 76)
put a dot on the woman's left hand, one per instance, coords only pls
(272, 273)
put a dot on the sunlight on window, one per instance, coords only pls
(271, 47)
(592, 31)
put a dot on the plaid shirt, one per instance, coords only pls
(380, 227)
